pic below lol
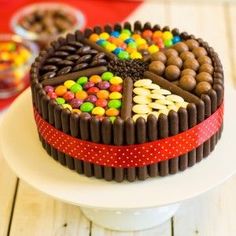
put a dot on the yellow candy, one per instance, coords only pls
(136, 36)
(141, 109)
(104, 36)
(116, 80)
(140, 41)
(141, 91)
(124, 36)
(115, 95)
(130, 49)
(167, 35)
(67, 106)
(135, 55)
(94, 37)
(98, 111)
(69, 83)
(142, 82)
(110, 47)
(153, 48)
(142, 46)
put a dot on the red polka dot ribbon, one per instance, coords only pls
(133, 155)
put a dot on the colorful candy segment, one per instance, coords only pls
(128, 45)
(150, 98)
(98, 95)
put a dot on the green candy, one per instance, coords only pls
(82, 80)
(76, 88)
(123, 55)
(126, 31)
(132, 45)
(60, 101)
(112, 119)
(168, 43)
(114, 104)
(107, 76)
(87, 107)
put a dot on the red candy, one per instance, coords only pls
(115, 88)
(52, 95)
(92, 90)
(101, 102)
(68, 96)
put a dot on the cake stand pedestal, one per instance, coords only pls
(120, 206)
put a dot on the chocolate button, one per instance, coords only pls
(85, 58)
(49, 75)
(61, 53)
(49, 68)
(73, 57)
(100, 55)
(66, 63)
(68, 48)
(80, 66)
(53, 60)
(84, 50)
(76, 44)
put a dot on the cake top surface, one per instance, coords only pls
(127, 72)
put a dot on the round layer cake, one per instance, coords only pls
(128, 102)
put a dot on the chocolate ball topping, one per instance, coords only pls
(199, 51)
(181, 47)
(172, 60)
(171, 52)
(172, 72)
(187, 82)
(157, 67)
(187, 55)
(204, 76)
(206, 68)
(158, 56)
(202, 87)
(204, 59)
(188, 72)
(191, 43)
(191, 64)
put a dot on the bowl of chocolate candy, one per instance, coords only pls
(44, 22)
(16, 57)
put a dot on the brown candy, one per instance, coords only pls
(191, 43)
(204, 76)
(206, 68)
(181, 47)
(199, 51)
(187, 55)
(157, 67)
(191, 64)
(202, 87)
(187, 82)
(171, 52)
(172, 72)
(158, 56)
(188, 72)
(173, 60)
(204, 59)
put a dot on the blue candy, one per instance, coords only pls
(176, 39)
(115, 34)
(117, 51)
(129, 40)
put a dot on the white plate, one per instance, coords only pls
(25, 155)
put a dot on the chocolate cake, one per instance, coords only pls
(128, 102)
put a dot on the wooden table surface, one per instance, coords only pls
(24, 211)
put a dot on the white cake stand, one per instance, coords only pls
(120, 206)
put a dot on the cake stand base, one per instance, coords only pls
(130, 220)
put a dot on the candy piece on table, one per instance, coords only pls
(68, 83)
(60, 90)
(82, 80)
(87, 107)
(81, 95)
(114, 104)
(107, 76)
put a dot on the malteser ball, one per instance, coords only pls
(173, 60)
(204, 59)
(186, 55)
(204, 76)
(171, 52)
(187, 82)
(192, 43)
(202, 87)
(199, 51)
(158, 56)
(181, 47)
(172, 72)
(191, 64)
(188, 72)
(206, 68)
(157, 67)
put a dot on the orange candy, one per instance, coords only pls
(81, 95)
(94, 37)
(157, 34)
(117, 41)
(147, 34)
(136, 36)
(112, 112)
(143, 46)
(95, 79)
(130, 50)
(104, 94)
(60, 90)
